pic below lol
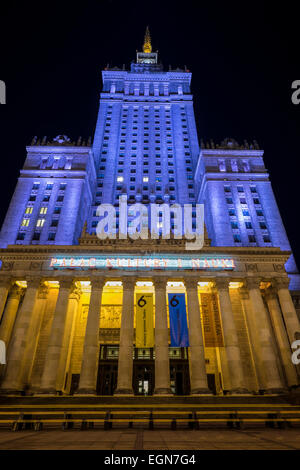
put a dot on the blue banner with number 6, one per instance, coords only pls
(178, 321)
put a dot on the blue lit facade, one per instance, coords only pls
(145, 146)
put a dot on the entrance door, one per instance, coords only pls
(143, 378)
(211, 382)
(107, 377)
(180, 379)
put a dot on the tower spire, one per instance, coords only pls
(147, 48)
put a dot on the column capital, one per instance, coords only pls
(33, 282)
(222, 283)
(128, 283)
(252, 282)
(281, 282)
(5, 282)
(65, 283)
(270, 293)
(191, 283)
(16, 291)
(43, 291)
(97, 283)
(160, 283)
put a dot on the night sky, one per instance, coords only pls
(244, 57)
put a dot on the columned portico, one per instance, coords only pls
(125, 364)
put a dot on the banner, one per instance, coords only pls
(178, 321)
(144, 321)
(211, 321)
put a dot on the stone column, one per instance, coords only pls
(10, 313)
(55, 344)
(273, 383)
(12, 382)
(196, 350)
(253, 336)
(89, 367)
(32, 341)
(287, 307)
(162, 360)
(232, 349)
(281, 336)
(4, 289)
(125, 362)
(67, 343)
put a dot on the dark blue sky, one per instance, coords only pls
(243, 57)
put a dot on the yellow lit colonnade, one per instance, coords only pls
(78, 334)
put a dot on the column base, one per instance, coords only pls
(86, 392)
(201, 391)
(51, 392)
(124, 392)
(11, 392)
(167, 392)
(275, 391)
(239, 391)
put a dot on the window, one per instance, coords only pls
(145, 179)
(237, 238)
(240, 189)
(25, 222)
(253, 189)
(267, 239)
(40, 222)
(51, 236)
(57, 210)
(36, 186)
(248, 225)
(32, 198)
(49, 186)
(251, 238)
(43, 210)
(36, 236)
(256, 201)
(29, 210)
(231, 212)
(54, 223)
(245, 213)
(243, 200)
(229, 200)
(60, 198)
(120, 179)
(46, 198)
(227, 189)
(262, 225)
(21, 236)
(234, 225)
(259, 213)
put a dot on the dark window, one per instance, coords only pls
(36, 236)
(248, 225)
(21, 236)
(251, 238)
(54, 223)
(237, 238)
(267, 239)
(262, 225)
(51, 236)
(234, 225)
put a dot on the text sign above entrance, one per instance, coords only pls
(142, 262)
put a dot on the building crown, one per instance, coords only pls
(147, 47)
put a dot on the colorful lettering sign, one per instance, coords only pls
(144, 321)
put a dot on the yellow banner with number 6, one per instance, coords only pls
(144, 321)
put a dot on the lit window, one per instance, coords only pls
(43, 210)
(40, 222)
(25, 222)
(29, 210)
(120, 179)
(145, 179)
